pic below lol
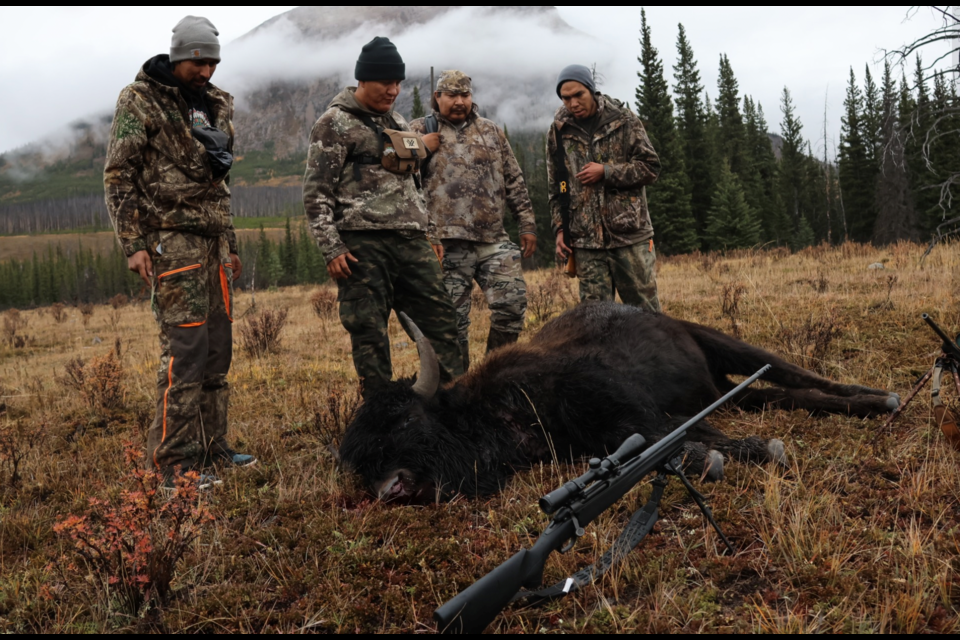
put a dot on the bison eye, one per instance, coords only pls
(409, 421)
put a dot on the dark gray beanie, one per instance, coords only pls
(577, 73)
(380, 60)
(194, 38)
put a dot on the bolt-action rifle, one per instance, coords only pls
(573, 506)
(949, 363)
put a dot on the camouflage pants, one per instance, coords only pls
(629, 271)
(496, 268)
(396, 271)
(193, 304)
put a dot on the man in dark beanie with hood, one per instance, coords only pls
(371, 222)
(599, 160)
(165, 177)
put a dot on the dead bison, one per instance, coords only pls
(582, 385)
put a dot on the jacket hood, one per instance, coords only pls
(347, 100)
(610, 110)
(159, 71)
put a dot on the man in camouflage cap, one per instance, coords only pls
(372, 224)
(598, 155)
(165, 177)
(468, 183)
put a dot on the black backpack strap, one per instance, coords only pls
(431, 124)
(357, 159)
(562, 175)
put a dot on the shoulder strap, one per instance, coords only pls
(562, 175)
(431, 124)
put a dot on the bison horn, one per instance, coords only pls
(428, 380)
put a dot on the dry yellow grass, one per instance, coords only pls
(858, 536)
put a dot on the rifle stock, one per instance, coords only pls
(475, 607)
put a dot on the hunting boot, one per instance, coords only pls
(465, 354)
(497, 339)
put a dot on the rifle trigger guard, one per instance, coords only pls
(578, 533)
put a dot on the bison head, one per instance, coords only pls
(394, 441)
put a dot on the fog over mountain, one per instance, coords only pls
(286, 71)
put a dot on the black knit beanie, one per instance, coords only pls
(577, 73)
(380, 60)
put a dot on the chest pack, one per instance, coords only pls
(401, 152)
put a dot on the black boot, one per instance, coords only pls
(465, 354)
(497, 339)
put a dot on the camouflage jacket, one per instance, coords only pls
(612, 213)
(332, 197)
(472, 179)
(157, 175)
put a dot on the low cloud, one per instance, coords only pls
(514, 57)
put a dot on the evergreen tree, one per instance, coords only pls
(896, 215)
(418, 110)
(872, 116)
(791, 174)
(698, 154)
(732, 136)
(669, 199)
(856, 167)
(288, 257)
(732, 224)
(915, 119)
(761, 171)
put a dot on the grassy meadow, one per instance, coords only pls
(858, 535)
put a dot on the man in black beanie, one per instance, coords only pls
(372, 224)
(599, 161)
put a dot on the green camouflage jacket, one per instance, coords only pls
(157, 175)
(332, 197)
(612, 213)
(472, 179)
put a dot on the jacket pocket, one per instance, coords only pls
(625, 214)
(180, 297)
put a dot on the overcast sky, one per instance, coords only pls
(58, 64)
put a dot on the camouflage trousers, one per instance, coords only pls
(397, 271)
(629, 271)
(193, 304)
(496, 268)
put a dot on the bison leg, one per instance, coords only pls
(752, 449)
(729, 356)
(863, 405)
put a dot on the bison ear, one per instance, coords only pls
(428, 380)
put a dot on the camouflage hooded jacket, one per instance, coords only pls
(335, 200)
(612, 213)
(157, 175)
(471, 179)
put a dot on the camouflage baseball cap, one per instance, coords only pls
(454, 81)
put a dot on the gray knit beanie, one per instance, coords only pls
(194, 38)
(577, 73)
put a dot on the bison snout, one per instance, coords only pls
(389, 489)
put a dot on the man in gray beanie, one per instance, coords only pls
(170, 205)
(599, 161)
(372, 225)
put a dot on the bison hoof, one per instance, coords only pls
(893, 402)
(712, 467)
(776, 452)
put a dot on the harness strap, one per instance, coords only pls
(640, 525)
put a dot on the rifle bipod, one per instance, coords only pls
(640, 525)
(944, 417)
